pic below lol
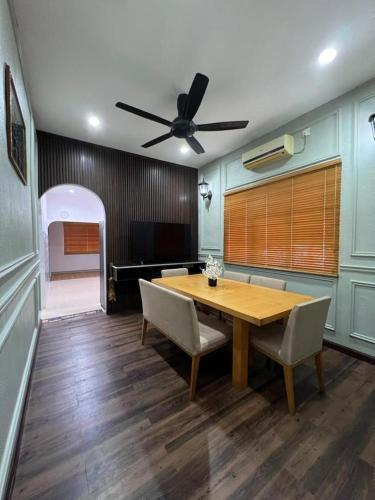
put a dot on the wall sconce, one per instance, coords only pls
(372, 123)
(203, 189)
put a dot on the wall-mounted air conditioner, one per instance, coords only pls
(282, 147)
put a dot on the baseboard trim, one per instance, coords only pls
(350, 352)
(13, 445)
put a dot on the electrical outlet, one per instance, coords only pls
(306, 132)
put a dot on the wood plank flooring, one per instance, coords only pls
(109, 418)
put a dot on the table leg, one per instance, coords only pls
(240, 353)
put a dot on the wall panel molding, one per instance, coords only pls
(11, 267)
(355, 315)
(356, 252)
(23, 295)
(6, 459)
(359, 269)
(13, 291)
(203, 255)
(365, 338)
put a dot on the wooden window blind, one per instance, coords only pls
(81, 238)
(291, 223)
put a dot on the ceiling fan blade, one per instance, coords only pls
(144, 114)
(181, 103)
(214, 127)
(195, 96)
(157, 140)
(195, 145)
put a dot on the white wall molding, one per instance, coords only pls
(353, 306)
(209, 249)
(6, 459)
(365, 338)
(285, 272)
(355, 252)
(14, 265)
(360, 269)
(7, 329)
(7, 299)
(215, 255)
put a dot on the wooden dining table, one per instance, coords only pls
(247, 304)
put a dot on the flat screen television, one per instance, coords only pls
(160, 242)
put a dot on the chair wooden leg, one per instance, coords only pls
(319, 370)
(144, 330)
(289, 386)
(194, 375)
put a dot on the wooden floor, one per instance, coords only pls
(111, 419)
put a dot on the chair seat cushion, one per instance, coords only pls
(268, 338)
(213, 332)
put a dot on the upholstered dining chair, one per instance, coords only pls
(236, 276)
(268, 282)
(175, 316)
(302, 338)
(180, 271)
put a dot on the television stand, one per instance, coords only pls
(126, 281)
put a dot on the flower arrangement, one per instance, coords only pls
(213, 270)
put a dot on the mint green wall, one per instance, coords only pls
(19, 262)
(340, 127)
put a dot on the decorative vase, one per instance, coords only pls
(212, 281)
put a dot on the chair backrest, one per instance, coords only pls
(180, 271)
(233, 275)
(303, 335)
(172, 314)
(268, 282)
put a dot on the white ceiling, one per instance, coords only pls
(81, 56)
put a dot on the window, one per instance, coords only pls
(81, 237)
(291, 223)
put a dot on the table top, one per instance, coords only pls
(256, 304)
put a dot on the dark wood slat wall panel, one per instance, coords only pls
(131, 187)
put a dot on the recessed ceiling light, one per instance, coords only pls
(71, 190)
(184, 149)
(93, 121)
(327, 56)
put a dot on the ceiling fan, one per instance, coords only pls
(183, 126)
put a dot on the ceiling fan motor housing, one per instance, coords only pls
(183, 128)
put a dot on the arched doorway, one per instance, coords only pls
(72, 251)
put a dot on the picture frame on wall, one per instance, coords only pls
(15, 128)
